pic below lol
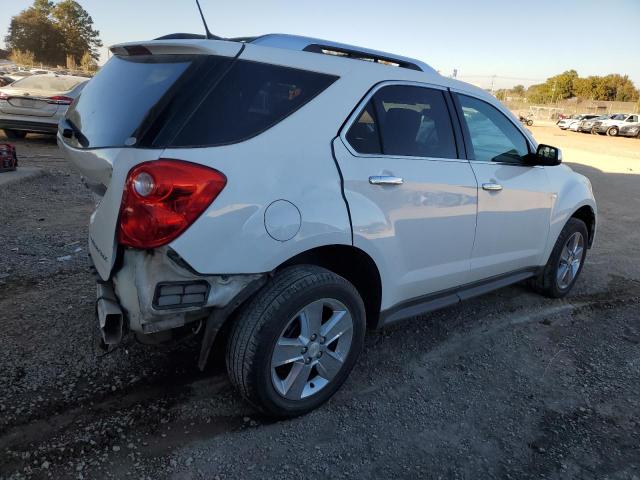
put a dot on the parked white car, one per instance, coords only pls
(37, 103)
(289, 192)
(612, 125)
(574, 121)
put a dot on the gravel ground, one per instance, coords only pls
(509, 385)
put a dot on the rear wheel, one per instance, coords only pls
(612, 132)
(14, 134)
(294, 344)
(529, 123)
(565, 262)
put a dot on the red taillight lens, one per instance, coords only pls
(60, 100)
(163, 198)
(4, 96)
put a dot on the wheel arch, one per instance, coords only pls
(588, 216)
(352, 264)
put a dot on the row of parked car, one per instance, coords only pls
(616, 124)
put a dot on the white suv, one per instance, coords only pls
(290, 192)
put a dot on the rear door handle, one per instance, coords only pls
(385, 180)
(492, 187)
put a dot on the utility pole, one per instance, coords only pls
(493, 78)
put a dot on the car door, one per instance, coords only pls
(412, 200)
(514, 199)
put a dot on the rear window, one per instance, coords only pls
(116, 101)
(49, 82)
(181, 101)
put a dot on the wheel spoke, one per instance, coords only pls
(562, 272)
(573, 242)
(287, 350)
(339, 323)
(296, 380)
(565, 254)
(329, 365)
(574, 268)
(310, 319)
(578, 253)
(568, 275)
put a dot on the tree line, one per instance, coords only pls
(612, 87)
(51, 33)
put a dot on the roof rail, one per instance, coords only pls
(307, 44)
(360, 55)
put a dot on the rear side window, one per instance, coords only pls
(405, 120)
(249, 99)
(364, 135)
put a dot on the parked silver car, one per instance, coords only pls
(37, 103)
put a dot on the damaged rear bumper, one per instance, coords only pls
(155, 291)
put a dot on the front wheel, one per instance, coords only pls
(612, 132)
(565, 262)
(294, 344)
(14, 134)
(529, 123)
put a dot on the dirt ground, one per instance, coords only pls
(509, 385)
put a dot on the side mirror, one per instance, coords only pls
(546, 155)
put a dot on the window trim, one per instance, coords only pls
(357, 111)
(467, 135)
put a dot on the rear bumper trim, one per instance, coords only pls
(30, 126)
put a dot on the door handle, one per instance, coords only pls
(492, 187)
(385, 180)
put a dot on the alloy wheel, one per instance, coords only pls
(311, 349)
(570, 260)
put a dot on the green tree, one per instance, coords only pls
(518, 90)
(87, 63)
(76, 27)
(54, 31)
(34, 30)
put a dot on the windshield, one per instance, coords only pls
(618, 117)
(49, 82)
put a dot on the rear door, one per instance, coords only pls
(411, 198)
(514, 199)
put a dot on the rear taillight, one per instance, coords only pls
(60, 100)
(4, 96)
(163, 198)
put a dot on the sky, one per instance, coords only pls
(518, 42)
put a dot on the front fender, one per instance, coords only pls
(571, 191)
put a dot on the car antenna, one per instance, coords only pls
(210, 36)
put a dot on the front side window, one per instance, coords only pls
(494, 137)
(403, 120)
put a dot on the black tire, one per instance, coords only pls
(259, 324)
(14, 134)
(529, 123)
(546, 283)
(612, 132)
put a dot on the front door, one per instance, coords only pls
(411, 198)
(514, 199)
